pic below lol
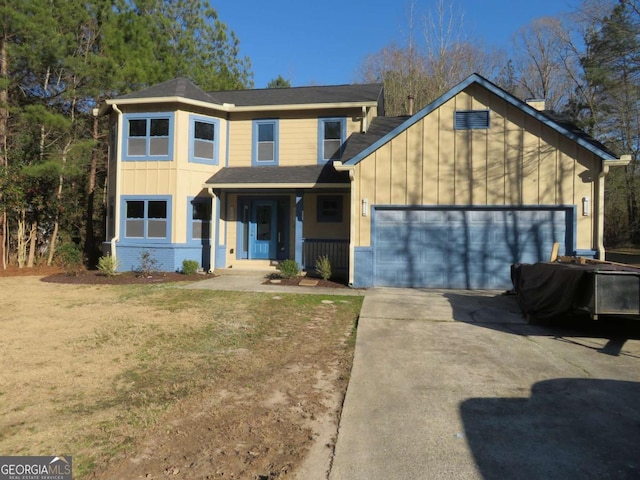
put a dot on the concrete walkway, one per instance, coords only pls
(455, 385)
(254, 281)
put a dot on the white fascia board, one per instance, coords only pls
(263, 186)
(623, 161)
(230, 107)
(301, 106)
(158, 100)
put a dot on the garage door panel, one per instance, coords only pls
(462, 248)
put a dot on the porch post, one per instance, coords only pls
(298, 228)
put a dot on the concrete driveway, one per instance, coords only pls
(455, 385)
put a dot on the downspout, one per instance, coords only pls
(622, 162)
(352, 222)
(213, 230)
(117, 213)
(600, 221)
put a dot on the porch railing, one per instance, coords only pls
(336, 250)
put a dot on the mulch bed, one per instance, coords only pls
(95, 277)
(91, 277)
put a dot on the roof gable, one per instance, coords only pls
(569, 131)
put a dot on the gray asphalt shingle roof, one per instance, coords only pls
(274, 175)
(571, 127)
(183, 87)
(371, 92)
(178, 87)
(378, 128)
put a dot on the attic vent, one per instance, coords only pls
(471, 119)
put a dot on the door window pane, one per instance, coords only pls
(263, 220)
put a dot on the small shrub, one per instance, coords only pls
(148, 264)
(190, 267)
(108, 265)
(69, 257)
(323, 267)
(289, 269)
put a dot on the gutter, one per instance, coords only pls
(231, 107)
(340, 167)
(117, 212)
(606, 164)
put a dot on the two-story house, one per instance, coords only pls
(448, 197)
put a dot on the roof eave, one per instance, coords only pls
(155, 100)
(302, 106)
(623, 161)
(230, 107)
(263, 186)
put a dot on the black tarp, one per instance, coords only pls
(547, 290)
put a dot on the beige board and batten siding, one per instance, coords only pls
(325, 230)
(297, 135)
(517, 161)
(178, 177)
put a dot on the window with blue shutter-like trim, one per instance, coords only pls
(471, 119)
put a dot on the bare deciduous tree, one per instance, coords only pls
(425, 70)
(546, 62)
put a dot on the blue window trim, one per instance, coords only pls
(190, 220)
(343, 136)
(216, 139)
(254, 142)
(147, 157)
(146, 199)
(472, 120)
(321, 217)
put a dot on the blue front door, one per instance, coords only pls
(263, 229)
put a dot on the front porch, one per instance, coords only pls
(337, 251)
(298, 213)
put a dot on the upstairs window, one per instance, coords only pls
(265, 142)
(471, 119)
(203, 147)
(148, 137)
(331, 137)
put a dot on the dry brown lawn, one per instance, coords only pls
(144, 381)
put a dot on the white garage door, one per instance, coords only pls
(463, 248)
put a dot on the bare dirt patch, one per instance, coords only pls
(149, 381)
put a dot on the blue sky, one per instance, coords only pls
(324, 42)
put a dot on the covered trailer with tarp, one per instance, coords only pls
(548, 290)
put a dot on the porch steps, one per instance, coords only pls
(251, 266)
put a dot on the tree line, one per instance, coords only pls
(585, 64)
(60, 59)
